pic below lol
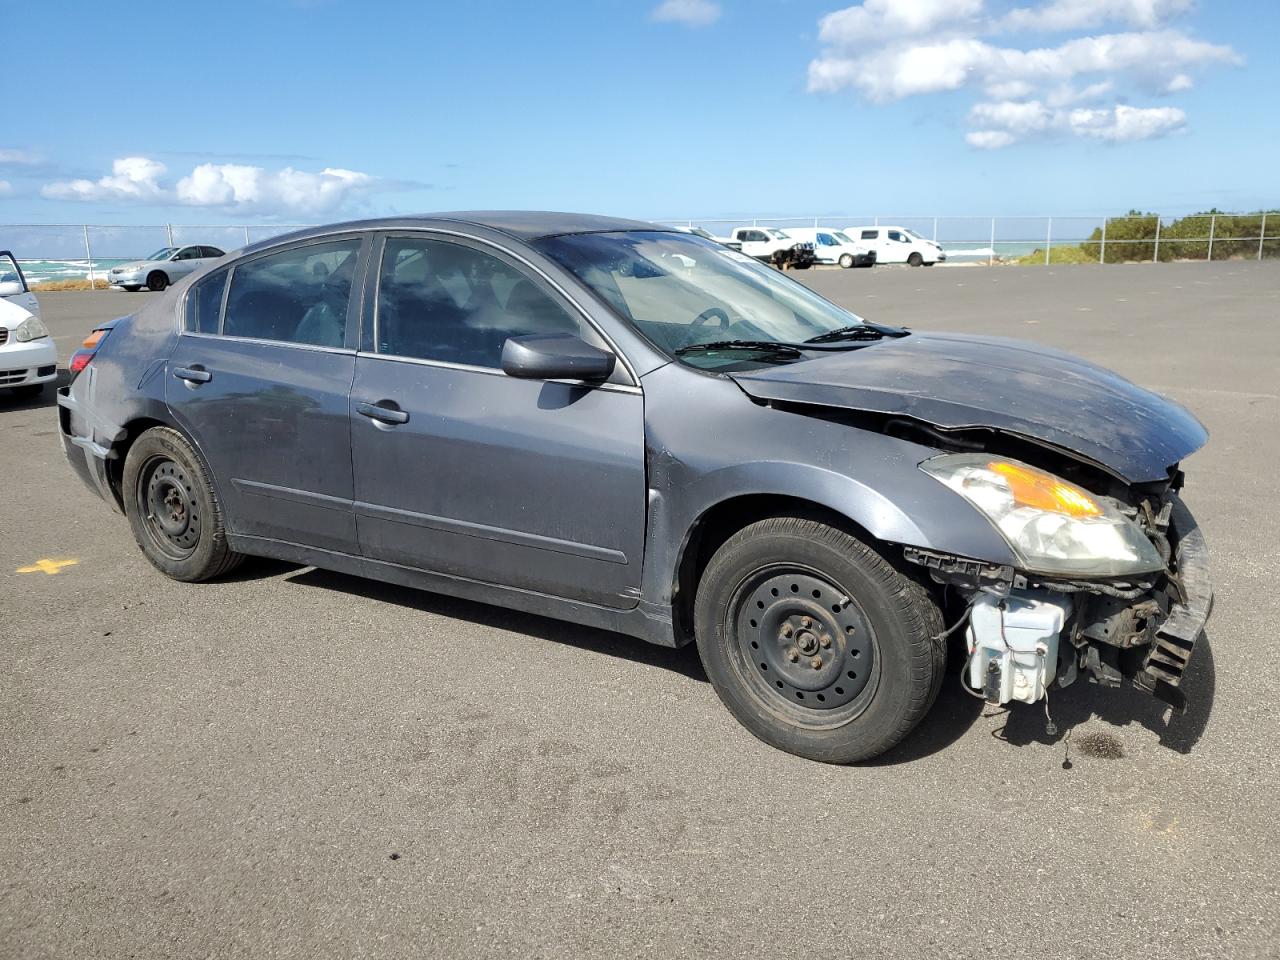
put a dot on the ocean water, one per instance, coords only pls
(41, 271)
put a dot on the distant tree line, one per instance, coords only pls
(1133, 237)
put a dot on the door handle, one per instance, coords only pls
(193, 374)
(382, 412)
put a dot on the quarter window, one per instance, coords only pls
(439, 300)
(298, 296)
(870, 234)
(204, 303)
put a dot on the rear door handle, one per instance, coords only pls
(193, 374)
(383, 412)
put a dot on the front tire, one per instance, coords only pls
(157, 280)
(815, 643)
(846, 260)
(915, 260)
(172, 508)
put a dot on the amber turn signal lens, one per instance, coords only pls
(92, 339)
(1032, 488)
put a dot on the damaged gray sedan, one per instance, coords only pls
(638, 429)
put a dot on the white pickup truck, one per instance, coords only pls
(774, 246)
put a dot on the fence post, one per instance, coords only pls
(168, 232)
(88, 255)
(935, 229)
(246, 234)
(1262, 235)
(1102, 253)
(991, 258)
(1213, 222)
(1048, 241)
(1155, 258)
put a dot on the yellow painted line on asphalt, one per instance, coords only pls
(48, 566)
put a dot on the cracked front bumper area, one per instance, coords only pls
(1028, 635)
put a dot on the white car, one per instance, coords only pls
(163, 267)
(708, 235)
(898, 245)
(835, 246)
(13, 285)
(769, 243)
(28, 356)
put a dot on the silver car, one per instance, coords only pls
(163, 267)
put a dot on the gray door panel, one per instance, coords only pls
(535, 485)
(273, 423)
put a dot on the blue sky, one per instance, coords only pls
(306, 110)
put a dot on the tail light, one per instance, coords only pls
(80, 359)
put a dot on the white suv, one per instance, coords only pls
(898, 245)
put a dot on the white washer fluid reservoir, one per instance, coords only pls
(1013, 644)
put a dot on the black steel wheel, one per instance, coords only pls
(815, 642)
(172, 508)
(157, 280)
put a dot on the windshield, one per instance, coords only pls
(778, 234)
(678, 290)
(843, 238)
(912, 233)
(164, 253)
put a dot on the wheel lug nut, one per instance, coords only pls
(816, 663)
(787, 630)
(792, 655)
(825, 641)
(806, 622)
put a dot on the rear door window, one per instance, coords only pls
(870, 234)
(300, 295)
(204, 303)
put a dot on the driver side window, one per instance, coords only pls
(439, 300)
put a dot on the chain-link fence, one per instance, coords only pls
(51, 252)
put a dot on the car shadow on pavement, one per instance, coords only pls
(683, 661)
(48, 397)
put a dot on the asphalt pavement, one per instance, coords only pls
(295, 763)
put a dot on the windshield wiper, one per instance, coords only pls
(759, 346)
(859, 331)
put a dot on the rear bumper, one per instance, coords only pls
(87, 456)
(1175, 638)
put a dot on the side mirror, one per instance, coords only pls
(10, 288)
(555, 357)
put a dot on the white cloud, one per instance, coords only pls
(1060, 15)
(131, 178)
(227, 185)
(13, 157)
(1004, 124)
(888, 50)
(692, 13)
(884, 19)
(1122, 123)
(5, 187)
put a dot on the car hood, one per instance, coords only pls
(11, 314)
(955, 382)
(136, 264)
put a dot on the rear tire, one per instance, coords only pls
(157, 280)
(172, 508)
(815, 643)
(915, 260)
(846, 260)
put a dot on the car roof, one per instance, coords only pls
(523, 225)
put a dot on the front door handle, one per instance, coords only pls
(382, 412)
(193, 374)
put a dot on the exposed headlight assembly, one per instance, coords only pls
(1052, 526)
(30, 329)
